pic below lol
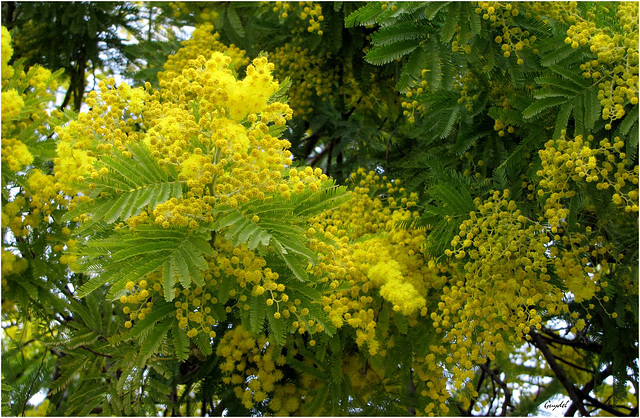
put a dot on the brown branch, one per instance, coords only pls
(575, 366)
(95, 352)
(507, 392)
(311, 141)
(322, 153)
(554, 338)
(33, 382)
(601, 405)
(483, 374)
(555, 367)
(411, 390)
(329, 155)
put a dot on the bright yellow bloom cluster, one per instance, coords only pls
(501, 15)
(503, 276)
(244, 357)
(43, 191)
(372, 257)
(195, 9)
(203, 41)
(12, 104)
(7, 52)
(615, 66)
(313, 78)
(307, 75)
(15, 154)
(218, 134)
(579, 265)
(17, 118)
(308, 12)
(25, 123)
(568, 163)
(12, 264)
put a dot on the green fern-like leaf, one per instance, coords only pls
(257, 313)
(365, 15)
(592, 107)
(451, 21)
(70, 367)
(153, 341)
(380, 55)
(543, 104)
(458, 200)
(277, 327)
(558, 51)
(85, 337)
(131, 255)
(412, 69)
(234, 22)
(277, 226)
(433, 64)
(141, 329)
(629, 120)
(398, 32)
(431, 9)
(203, 343)
(309, 203)
(579, 82)
(132, 184)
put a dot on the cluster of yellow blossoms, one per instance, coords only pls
(22, 113)
(567, 162)
(202, 42)
(410, 102)
(213, 130)
(501, 15)
(201, 11)
(25, 122)
(501, 252)
(254, 367)
(615, 66)
(308, 74)
(365, 265)
(308, 12)
(313, 77)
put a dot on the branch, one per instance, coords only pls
(553, 364)
(322, 153)
(311, 141)
(411, 390)
(33, 382)
(95, 352)
(589, 346)
(601, 405)
(480, 381)
(507, 392)
(575, 366)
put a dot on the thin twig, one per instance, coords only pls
(386, 158)
(95, 352)
(553, 364)
(33, 382)
(507, 392)
(480, 382)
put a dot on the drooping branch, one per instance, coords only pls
(321, 154)
(483, 374)
(541, 344)
(553, 338)
(496, 378)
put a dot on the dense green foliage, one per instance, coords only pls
(344, 208)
